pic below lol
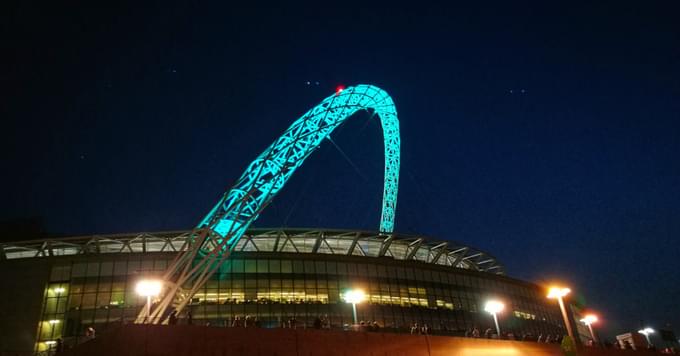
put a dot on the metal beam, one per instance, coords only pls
(441, 248)
(460, 256)
(385, 246)
(414, 246)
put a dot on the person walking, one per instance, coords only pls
(172, 320)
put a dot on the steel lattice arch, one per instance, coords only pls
(211, 243)
(270, 171)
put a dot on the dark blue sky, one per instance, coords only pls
(547, 135)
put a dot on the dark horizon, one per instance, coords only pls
(546, 135)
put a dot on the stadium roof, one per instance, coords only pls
(338, 242)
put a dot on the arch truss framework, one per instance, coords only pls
(218, 233)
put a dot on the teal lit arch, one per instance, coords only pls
(216, 236)
(270, 171)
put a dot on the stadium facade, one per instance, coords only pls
(56, 288)
(223, 270)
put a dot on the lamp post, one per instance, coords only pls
(494, 307)
(354, 296)
(646, 332)
(148, 289)
(589, 320)
(559, 293)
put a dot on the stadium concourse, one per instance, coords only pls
(147, 340)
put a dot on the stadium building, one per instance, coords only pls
(223, 271)
(56, 288)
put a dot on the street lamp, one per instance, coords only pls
(148, 289)
(589, 320)
(494, 307)
(646, 332)
(559, 293)
(354, 296)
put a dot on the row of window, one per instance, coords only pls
(284, 266)
(104, 292)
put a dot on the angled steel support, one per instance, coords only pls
(441, 248)
(385, 246)
(460, 254)
(355, 240)
(472, 256)
(414, 246)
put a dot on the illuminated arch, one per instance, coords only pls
(215, 237)
(270, 171)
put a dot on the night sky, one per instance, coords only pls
(547, 136)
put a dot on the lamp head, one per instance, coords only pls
(354, 296)
(149, 288)
(589, 319)
(646, 331)
(494, 306)
(558, 292)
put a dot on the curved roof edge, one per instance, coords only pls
(291, 240)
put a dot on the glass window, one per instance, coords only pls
(298, 267)
(93, 269)
(103, 299)
(237, 283)
(104, 284)
(89, 300)
(286, 266)
(262, 266)
(274, 266)
(237, 266)
(107, 269)
(342, 268)
(133, 267)
(117, 298)
(160, 265)
(320, 267)
(120, 268)
(332, 267)
(251, 266)
(309, 267)
(77, 286)
(74, 301)
(212, 284)
(362, 269)
(147, 265)
(60, 273)
(382, 272)
(79, 270)
(91, 284)
(51, 305)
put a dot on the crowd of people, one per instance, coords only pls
(490, 333)
(416, 329)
